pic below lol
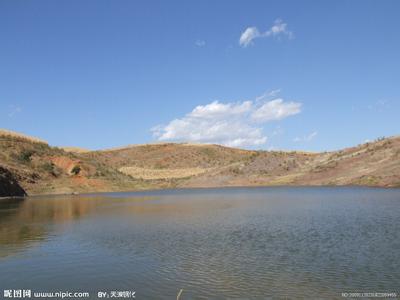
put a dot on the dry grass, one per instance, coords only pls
(152, 174)
(40, 168)
(9, 133)
(75, 149)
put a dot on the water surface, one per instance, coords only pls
(219, 243)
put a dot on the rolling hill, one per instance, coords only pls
(41, 169)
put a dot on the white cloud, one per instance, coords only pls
(220, 110)
(279, 28)
(235, 133)
(379, 105)
(276, 110)
(268, 95)
(13, 110)
(306, 138)
(235, 124)
(248, 35)
(200, 43)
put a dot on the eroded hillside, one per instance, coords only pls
(372, 164)
(42, 169)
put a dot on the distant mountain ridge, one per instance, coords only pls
(41, 169)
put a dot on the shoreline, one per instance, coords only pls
(203, 188)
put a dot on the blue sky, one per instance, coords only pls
(312, 75)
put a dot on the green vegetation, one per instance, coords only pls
(25, 155)
(40, 168)
(76, 170)
(48, 167)
(370, 180)
(51, 168)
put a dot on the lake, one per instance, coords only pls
(251, 243)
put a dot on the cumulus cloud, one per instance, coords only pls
(278, 29)
(306, 138)
(216, 110)
(248, 36)
(276, 110)
(235, 124)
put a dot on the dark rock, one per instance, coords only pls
(9, 186)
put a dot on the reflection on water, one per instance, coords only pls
(226, 243)
(23, 222)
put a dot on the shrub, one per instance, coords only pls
(75, 170)
(48, 166)
(379, 139)
(52, 169)
(25, 155)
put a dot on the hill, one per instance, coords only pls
(370, 164)
(41, 169)
(17, 135)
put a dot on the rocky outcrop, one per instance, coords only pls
(9, 186)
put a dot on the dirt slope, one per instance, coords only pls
(9, 185)
(371, 164)
(374, 164)
(41, 169)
